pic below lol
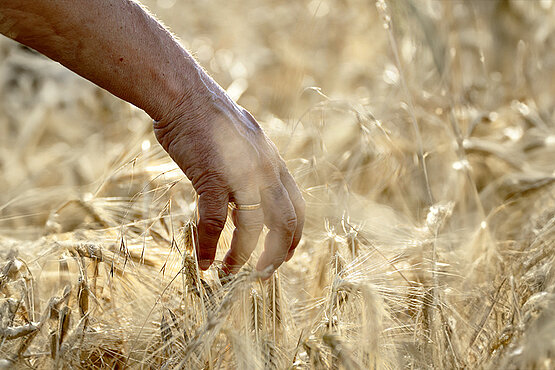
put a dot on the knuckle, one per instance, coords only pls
(288, 223)
(253, 227)
(203, 181)
(268, 172)
(213, 225)
(244, 175)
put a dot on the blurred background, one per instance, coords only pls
(312, 66)
(421, 133)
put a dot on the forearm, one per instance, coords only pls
(218, 144)
(113, 43)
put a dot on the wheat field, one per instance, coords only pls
(422, 135)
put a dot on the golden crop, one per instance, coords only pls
(422, 134)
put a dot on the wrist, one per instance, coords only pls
(189, 98)
(185, 106)
(176, 91)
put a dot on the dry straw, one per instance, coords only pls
(425, 155)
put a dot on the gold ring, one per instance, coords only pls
(245, 207)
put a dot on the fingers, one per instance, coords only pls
(248, 226)
(280, 217)
(285, 209)
(298, 204)
(212, 208)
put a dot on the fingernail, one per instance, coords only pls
(204, 264)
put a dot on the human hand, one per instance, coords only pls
(223, 151)
(219, 145)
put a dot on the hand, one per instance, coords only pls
(223, 151)
(218, 144)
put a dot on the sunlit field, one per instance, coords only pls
(422, 135)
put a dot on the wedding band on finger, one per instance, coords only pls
(245, 207)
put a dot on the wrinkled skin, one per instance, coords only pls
(219, 145)
(227, 157)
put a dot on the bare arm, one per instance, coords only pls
(219, 146)
(113, 43)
